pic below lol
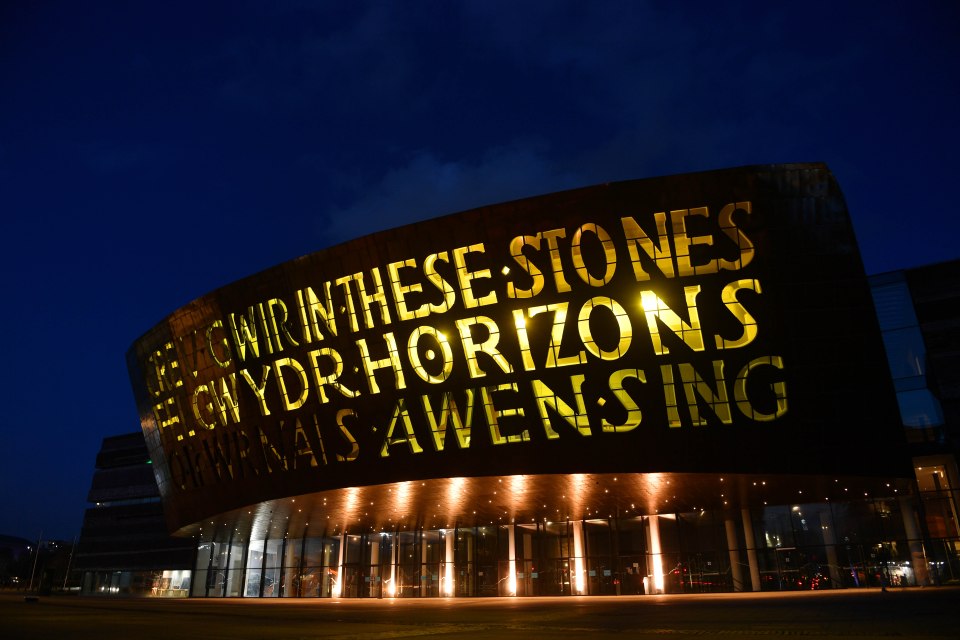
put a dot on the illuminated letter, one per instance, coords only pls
(196, 407)
(354, 447)
(392, 360)
(301, 375)
(779, 390)
(330, 379)
(670, 395)
(683, 241)
(609, 253)
(729, 297)
(446, 365)
(546, 397)
(488, 346)
(659, 253)
(449, 415)
(554, 359)
(379, 296)
(400, 414)
(465, 276)
(259, 390)
(400, 290)
(555, 264)
(520, 322)
(623, 325)
(244, 334)
(351, 309)
(217, 324)
(730, 229)
(493, 415)
(449, 293)
(634, 416)
(516, 252)
(694, 385)
(313, 314)
(656, 309)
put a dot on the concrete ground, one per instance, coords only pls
(907, 613)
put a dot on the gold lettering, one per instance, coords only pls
(670, 395)
(634, 416)
(493, 414)
(655, 309)
(413, 353)
(658, 253)
(259, 390)
(516, 252)
(400, 415)
(555, 265)
(732, 231)
(449, 416)
(465, 276)
(609, 253)
(354, 447)
(434, 278)
(623, 325)
(245, 334)
(218, 324)
(554, 359)
(749, 324)
(487, 346)
(400, 290)
(314, 314)
(546, 397)
(694, 385)
(779, 390)
(379, 296)
(291, 405)
(391, 361)
(332, 378)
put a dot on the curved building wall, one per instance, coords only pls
(706, 339)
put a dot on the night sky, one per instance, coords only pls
(153, 152)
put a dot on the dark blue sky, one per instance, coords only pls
(152, 152)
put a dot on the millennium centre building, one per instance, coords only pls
(656, 386)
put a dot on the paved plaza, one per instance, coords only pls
(913, 613)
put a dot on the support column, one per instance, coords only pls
(338, 585)
(375, 565)
(424, 557)
(733, 547)
(655, 553)
(830, 544)
(394, 545)
(918, 559)
(448, 568)
(579, 585)
(512, 557)
(751, 541)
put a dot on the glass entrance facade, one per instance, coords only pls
(804, 546)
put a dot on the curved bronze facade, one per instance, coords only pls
(690, 327)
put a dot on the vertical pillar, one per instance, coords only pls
(918, 559)
(512, 559)
(450, 536)
(830, 544)
(375, 564)
(655, 553)
(338, 585)
(424, 556)
(733, 547)
(751, 541)
(394, 545)
(579, 584)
